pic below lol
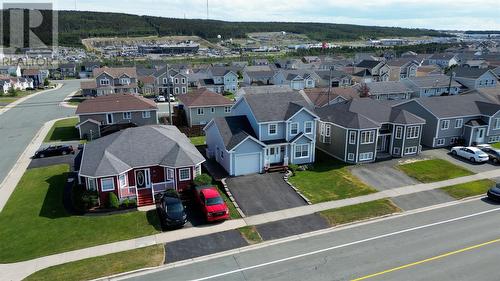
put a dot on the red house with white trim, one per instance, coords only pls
(139, 163)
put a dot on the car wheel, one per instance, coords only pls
(495, 160)
(454, 153)
(472, 159)
(42, 155)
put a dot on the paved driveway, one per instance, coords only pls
(382, 175)
(443, 153)
(257, 194)
(20, 124)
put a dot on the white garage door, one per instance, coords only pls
(246, 164)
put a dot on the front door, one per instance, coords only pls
(274, 155)
(383, 143)
(142, 179)
(480, 135)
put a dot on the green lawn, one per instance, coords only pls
(468, 189)
(496, 145)
(94, 268)
(433, 170)
(8, 98)
(198, 140)
(250, 234)
(230, 96)
(329, 179)
(75, 101)
(233, 213)
(34, 222)
(63, 130)
(361, 211)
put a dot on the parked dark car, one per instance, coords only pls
(493, 154)
(494, 193)
(171, 210)
(54, 150)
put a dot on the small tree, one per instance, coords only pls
(363, 91)
(46, 82)
(202, 179)
(113, 201)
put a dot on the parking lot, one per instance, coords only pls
(262, 193)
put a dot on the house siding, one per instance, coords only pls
(195, 119)
(242, 108)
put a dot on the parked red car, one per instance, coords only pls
(211, 203)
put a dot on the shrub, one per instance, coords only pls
(293, 168)
(202, 179)
(132, 203)
(126, 203)
(113, 201)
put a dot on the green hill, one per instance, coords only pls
(77, 25)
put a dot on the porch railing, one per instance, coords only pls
(163, 186)
(128, 191)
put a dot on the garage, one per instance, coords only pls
(245, 164)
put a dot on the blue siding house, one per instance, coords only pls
(267, 128)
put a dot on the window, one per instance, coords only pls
(325, 133)
(125, 81)
(184, 90)
(165, 80)
(183, 80)
(440, 142)
(227, 109)
(412, 132)
(367, 137)
(201, 111)
(302, 150)
(396, 151)
(294, 128)
(123, 180)
(198, 170)
(352, 137)
(127, 115)
(411, 150)
(366, 156)
(104, 82)
(107, 184)
(494, 139)
(445, 124)
(212, 110)
(399, 132)
(454, 140)
(459, 123)
(272, 129)
(497, 124)
(350, 156)
(146, 114)
(176, 90)
(308, 127)
(176, 80)
(109, 118)
(170, 174)
(91, 184)
(185, 174)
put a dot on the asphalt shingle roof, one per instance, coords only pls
(233, 129)
(462, 105)
(204, 97)
(138, 147)
(115, 103)
(368, 63)
(468, 72)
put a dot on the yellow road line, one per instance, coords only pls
(427, 260)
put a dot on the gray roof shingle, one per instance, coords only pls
(462, 105)
(234, 129)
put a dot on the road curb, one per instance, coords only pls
(231, 197)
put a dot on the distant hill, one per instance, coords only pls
(77, 25)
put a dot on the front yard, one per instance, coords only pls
(360, 211)
(63, 130)
(433, 170)
(34, 222)
(94, 268)
(496, 145)
(329, 179)
(469, 189)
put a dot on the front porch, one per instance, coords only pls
(145, 195)
(276, 158)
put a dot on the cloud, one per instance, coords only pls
(443, 14)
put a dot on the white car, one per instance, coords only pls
(160, 99)
(474, 154)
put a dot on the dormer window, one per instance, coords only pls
(104, 82)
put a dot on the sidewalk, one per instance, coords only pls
(20, 270)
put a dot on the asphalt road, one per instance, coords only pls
(20, 124)
(441, 244)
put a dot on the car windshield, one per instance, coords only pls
(214, 201)
(174, 207)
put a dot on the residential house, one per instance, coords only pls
(387, 90)
(363, 130)
(258, 75)
(223, 79)
(319, 97)
(89, 88)
(147, 85)
(140, 163)
(12, 70)
(311, 59)
(402, 68)
(5, 86)
(87, 68)
(107, 114)
(122, 80)
(443, 60)
(35, 75)
(337, 78)
(373, 70)
(202, 105)
(68, 70)
(296, 79)
(20, 83)
(290, 64)
(432, 85)
(260, 62)
(464, 119)
(474, 78)
(267, 128)
(171, 81)
(427, 70)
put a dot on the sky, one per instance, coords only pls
(433, 14)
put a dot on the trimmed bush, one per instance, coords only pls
(202, 179)
(126, 203)
(113, 201)
(293, 168)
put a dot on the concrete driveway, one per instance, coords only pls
(444, 154)
(262, 193)
(383, 175)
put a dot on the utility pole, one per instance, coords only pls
(168, 98)
(452, 75)
(330, 85)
